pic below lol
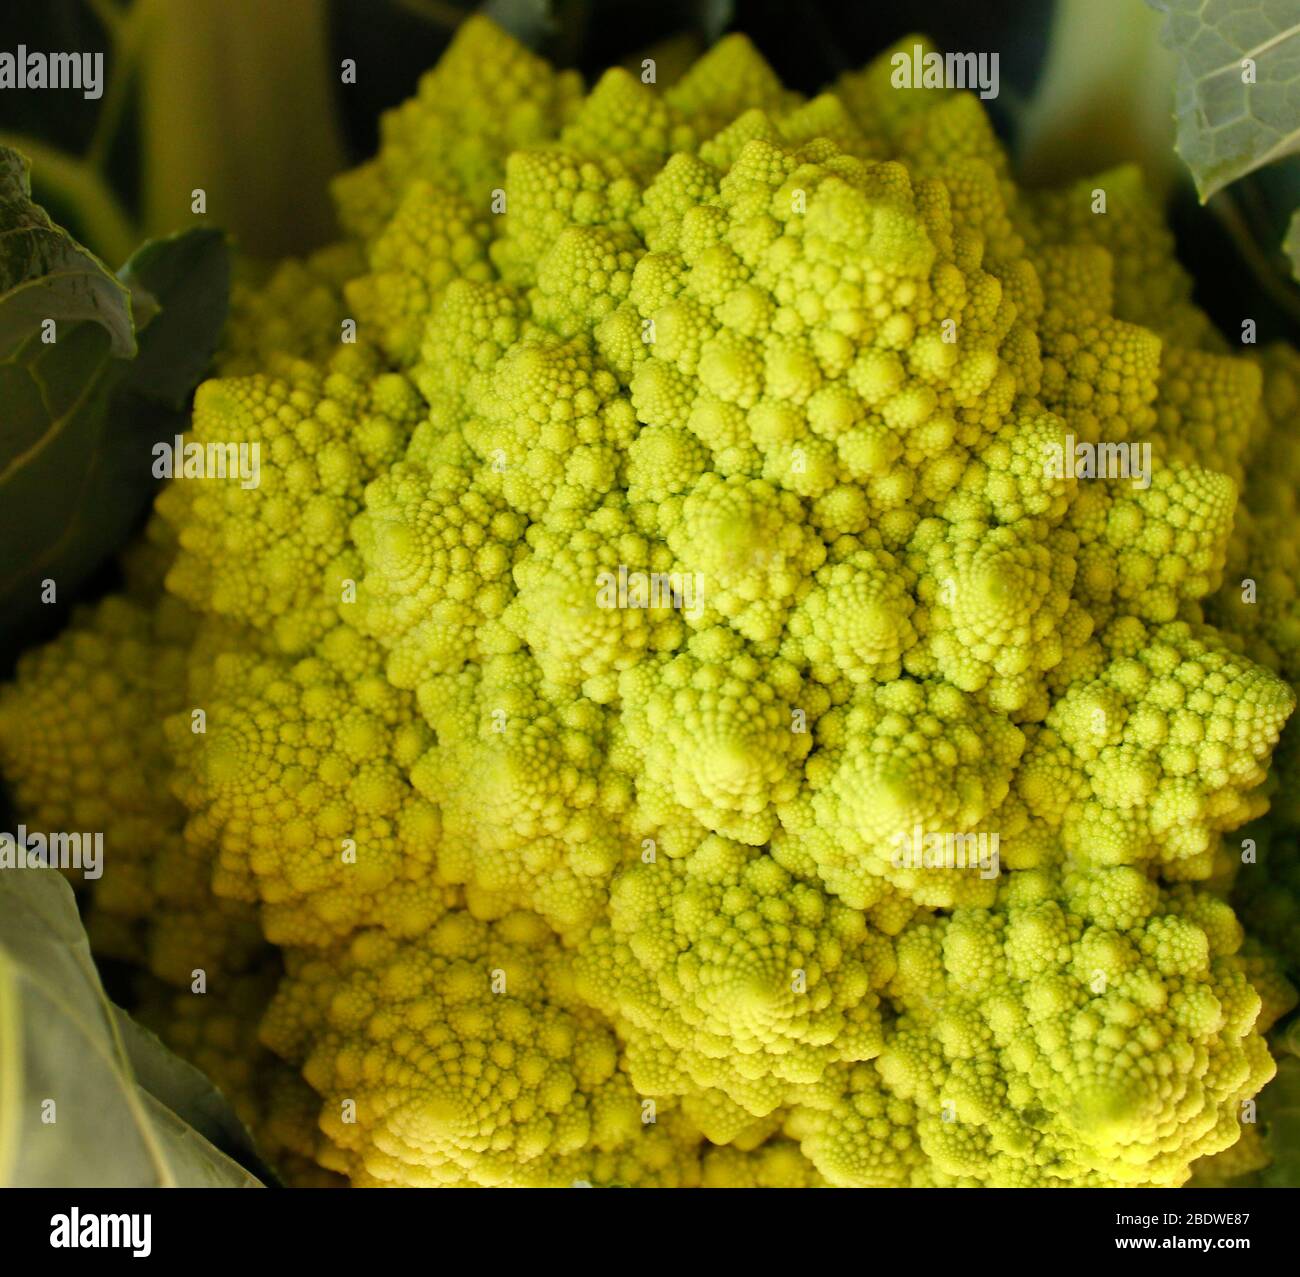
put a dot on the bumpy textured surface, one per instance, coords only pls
(672, 717)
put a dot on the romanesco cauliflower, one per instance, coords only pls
(630, 623)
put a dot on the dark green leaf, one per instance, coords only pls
(78, 423)
(59, 477)
(46, 274)
(188, 277)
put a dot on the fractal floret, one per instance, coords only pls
(755, 659)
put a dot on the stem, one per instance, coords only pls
(104, 223)
(109, 16)
(128, 38)
(1279, 288)
(238, 97)
(1100, 103)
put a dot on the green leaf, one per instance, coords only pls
(188, 1093)
(77, 423)
(1226, 126)
(188, 277)
(63, 1056)
(46, 274)
(61, 480)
